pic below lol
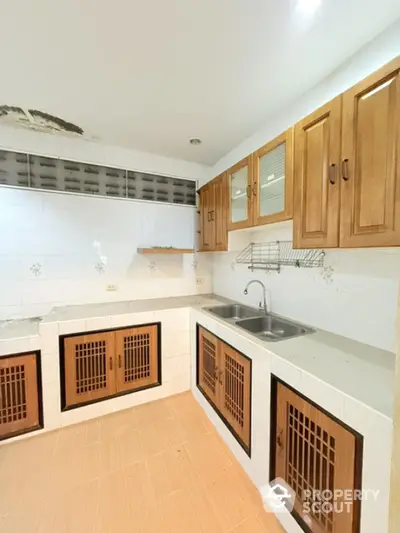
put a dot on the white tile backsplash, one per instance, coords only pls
(48, 257)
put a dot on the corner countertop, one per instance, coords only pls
(358, 370)
(28, 327)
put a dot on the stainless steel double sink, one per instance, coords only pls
(268, 327)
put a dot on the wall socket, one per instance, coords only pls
(199, 281)
(110, 287)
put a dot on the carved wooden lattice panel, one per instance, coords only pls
(19, 409)
(89, 367)
(137, 357)
(207, 364)
(236, 386)
(315, 453)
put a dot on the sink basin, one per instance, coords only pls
(273, 328)
(234, 311)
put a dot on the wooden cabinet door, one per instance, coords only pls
(370, 178)
(207, 236)
(316, 178)
(273, 180)
(207, 370)
(19, 395)
(89, 367)
(313, 452)
(137, 357)
(240, 181)
(220, 213)
(235, 380)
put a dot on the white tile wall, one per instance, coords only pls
(57, 232)
(355, 296)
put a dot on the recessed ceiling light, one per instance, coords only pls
(195, 141)
(308, 6)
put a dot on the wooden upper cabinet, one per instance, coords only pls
(272, 188)
(89, 367)
(206, 234)
(213, 215)
(137, 357)
(316, 178)
(370, 207)
(220, 213)
(240, 183)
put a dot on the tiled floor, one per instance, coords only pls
(157, 468)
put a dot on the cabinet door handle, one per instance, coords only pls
(279, 439)
(220, 377)
(111, 363)
(119, 361)
(248, 191)
(332, 174)
(215, 375)
(212, 215)
(345, 169)
(209, 216)
(255, 189)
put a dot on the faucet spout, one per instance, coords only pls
(261, 305)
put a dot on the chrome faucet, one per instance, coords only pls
(260, 305)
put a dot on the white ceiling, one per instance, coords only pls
(150, 74)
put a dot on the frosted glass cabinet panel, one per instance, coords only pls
(273, 185)
(240, 206)
(272, 181)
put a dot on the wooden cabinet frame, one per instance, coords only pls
(246, 162)
(224, 377)
(347, 167)
(115, 364)
(343, 442)
(288, 138)
(213, 215)
(21, 405)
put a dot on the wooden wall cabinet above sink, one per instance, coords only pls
(347, 167)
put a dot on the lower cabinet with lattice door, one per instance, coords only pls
(20, 394)
(100, 365)
(320, 458)
(224, 378)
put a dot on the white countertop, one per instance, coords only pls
(361, 371)
(17, 329)
(76, 312)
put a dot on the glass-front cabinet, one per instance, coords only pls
(240, 195)
(273, 180)
(261, 185)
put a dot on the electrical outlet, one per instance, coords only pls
(199, 281)
(110, 287)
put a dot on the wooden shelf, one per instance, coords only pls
(148, 251)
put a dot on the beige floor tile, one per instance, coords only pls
(157, 468)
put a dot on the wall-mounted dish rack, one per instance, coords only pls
(274, 255)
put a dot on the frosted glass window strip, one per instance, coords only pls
(161, 188)
(239, 199)
(14, 169)
(61, 175)
(272, 181)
